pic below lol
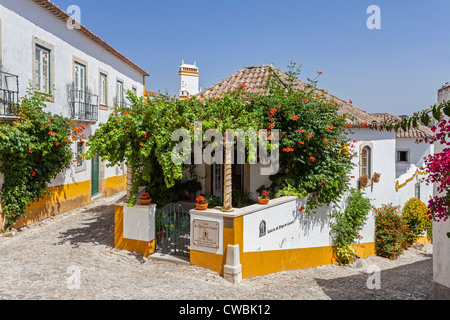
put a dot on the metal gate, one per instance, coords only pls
(172, 230)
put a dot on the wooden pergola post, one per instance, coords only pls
(129, 183)
(227, 173)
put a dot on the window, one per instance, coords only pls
(134, 90)
(366, 161)
(417, 191)
(103, 89)
(403, 156)
(119, 90)
(79, 152)
(42, 69)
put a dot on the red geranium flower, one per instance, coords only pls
(295, 118)
(312, 158)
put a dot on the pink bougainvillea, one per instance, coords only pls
(438, 167)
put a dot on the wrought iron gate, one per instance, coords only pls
(172, 230)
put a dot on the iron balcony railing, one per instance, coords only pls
(9, 94)
(84, 105)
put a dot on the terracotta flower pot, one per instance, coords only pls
(263, 201)
(146, 201)
(201, 206)
(376, 178)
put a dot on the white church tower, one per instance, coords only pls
(188, 80)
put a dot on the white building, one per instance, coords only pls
(85, 76)
(188, 77)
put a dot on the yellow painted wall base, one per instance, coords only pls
(265, 262)
(143, 247)
(113, 185)
(68, 197)
(61, 198)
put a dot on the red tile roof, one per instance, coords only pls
(54, 9)
(420, 132)
(255, 77)
(150, 93)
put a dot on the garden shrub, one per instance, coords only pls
(390, 231)
(415, 213)
(348, 223)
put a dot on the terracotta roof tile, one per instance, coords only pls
(256, 76)
(420, 132)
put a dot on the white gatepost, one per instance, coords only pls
(232, 270)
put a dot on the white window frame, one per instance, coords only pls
(120, 93)
(407, 156)
(103, 89)
(42, 63)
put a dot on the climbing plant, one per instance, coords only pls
(315, 156)
(33, 150)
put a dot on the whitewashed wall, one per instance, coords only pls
(21, 20)
(441, 243)
(286, 227)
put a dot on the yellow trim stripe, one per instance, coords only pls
(415, 175)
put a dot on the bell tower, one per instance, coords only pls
(188, 84)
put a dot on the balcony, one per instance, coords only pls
(84, 106)
(9, 96)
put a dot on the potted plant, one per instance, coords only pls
(145, 198)
(376, 177)
(264, 198)
(201, 203)
(363, 180)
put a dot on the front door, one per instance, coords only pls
(95, 175)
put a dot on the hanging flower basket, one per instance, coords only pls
(363, 181)
(376, 177)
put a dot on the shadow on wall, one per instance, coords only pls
(308, 222)
(408, 282)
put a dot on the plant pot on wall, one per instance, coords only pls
(201, 206)
(363, 181)
(376, 177)
(263, 201)
(145, 198)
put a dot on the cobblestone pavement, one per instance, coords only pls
(44, 261)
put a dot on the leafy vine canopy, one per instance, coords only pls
(315, 153)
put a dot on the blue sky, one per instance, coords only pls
(397, 69)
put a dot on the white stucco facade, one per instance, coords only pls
(441, 242)
(26, 25)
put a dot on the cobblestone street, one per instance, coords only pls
(44, 261)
